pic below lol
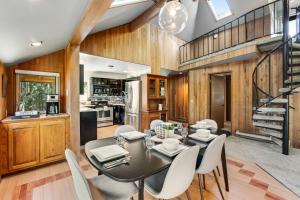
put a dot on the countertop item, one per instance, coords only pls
(46, 117)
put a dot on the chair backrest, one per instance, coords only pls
(80, 182)
(212, 155)
(211, 122)
(180, 174)
(155, 123)
(123, 129)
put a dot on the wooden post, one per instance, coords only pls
(72, 94)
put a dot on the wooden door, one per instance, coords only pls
(217, 99)
(53, 140)
(23, 145)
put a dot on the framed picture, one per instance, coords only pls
(4, 85)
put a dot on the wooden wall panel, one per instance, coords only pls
(147, 45)
(241, 96)
(178, 97)
(54, 62)
(2, 99)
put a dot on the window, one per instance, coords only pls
(32, 89)
(117, 3)
(220, 8)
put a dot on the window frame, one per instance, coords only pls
(212, 9)
(21, 73)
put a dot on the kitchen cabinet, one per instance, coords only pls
(148, 117)
(52, 140)
(23, 145)
(33, 142)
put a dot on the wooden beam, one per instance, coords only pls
(146, 16)
(95, 10)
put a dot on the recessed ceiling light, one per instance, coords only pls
(36, 44)
(110, 66)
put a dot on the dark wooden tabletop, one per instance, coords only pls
(142, 164)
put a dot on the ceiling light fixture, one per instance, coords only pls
(173, 17)
(110, 66)
(36, 44)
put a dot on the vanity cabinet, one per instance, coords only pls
(29, 143)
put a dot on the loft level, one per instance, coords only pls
(262, 22)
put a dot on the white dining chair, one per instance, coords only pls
(176, 180)
(210, 160)
(123, 129)
(155, 123)
(100, 187)
(211, 122)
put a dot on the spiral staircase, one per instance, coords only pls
(271, 107)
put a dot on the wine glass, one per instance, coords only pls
(184, 133)
(120, 141)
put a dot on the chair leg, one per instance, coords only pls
(204, 181)
(131, 198)
(218, 171)
(218, 184)
(188, 194)
(200, 187)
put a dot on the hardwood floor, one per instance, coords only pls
(247, 182)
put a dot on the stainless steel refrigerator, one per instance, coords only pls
(133, 103)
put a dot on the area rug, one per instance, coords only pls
(286, 169)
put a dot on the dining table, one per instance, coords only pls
(143, 162)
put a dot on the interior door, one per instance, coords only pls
(217, 99)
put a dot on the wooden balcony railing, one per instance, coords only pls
(260, 22)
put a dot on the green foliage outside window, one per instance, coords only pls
(32, 95)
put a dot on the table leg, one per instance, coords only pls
(224, 166)
(141, 189)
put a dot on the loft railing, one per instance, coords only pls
(260, 22)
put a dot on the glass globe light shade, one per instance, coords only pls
(173, 17)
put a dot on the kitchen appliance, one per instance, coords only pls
(88, 126)
(52, 104)
(104, 114)
(132, 103)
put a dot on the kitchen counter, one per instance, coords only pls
(47, 117)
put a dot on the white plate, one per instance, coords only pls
(166, 152)
(156, 139)
(195, 136)
(133, 135)
(201, 127)
(108, 152)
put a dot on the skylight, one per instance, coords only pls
(220, 8)
(117, 3)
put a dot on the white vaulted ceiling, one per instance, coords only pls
(25, 21)
(53, 22)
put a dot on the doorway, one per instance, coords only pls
(220, 99)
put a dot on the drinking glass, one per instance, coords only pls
(184, 132)
(149, 143)
(120, 141)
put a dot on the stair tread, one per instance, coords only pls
(277, 100)
(271, 110)
(254, 136)
(295, 80)
(272, 133)
(282, 90)
(267, 125)
(277, 141)
(267, 117)
(294, 71)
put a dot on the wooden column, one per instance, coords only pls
(72, 94)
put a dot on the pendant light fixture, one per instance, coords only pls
(173, 17)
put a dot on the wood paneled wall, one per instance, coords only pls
(2, 99)
(54, 62)
(147, 45)
(179, 94)
(241, 87)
